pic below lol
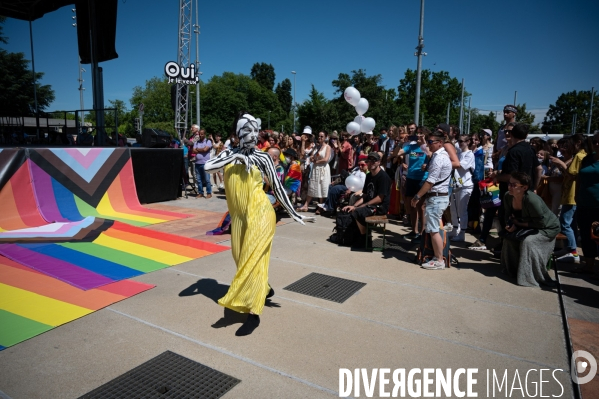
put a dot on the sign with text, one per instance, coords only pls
(180, 74)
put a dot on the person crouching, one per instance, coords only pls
(434, 191)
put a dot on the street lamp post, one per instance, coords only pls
(419, 53)
(294, 103)
(268, 120)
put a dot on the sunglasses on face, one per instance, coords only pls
(362, 164)
(432, 141)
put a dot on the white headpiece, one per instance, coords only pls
(247, 131)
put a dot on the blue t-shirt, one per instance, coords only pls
(479, 165)
(415, 156)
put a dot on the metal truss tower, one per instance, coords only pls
(183, 54)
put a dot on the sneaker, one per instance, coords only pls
(478, 246)
(322, 206)
(561, 252)
(434, 264)
(417, 239)
(570, 257)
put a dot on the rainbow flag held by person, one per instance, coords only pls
(293, 180)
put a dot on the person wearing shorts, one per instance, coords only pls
(436, 199)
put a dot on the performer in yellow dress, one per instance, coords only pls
(253, 220)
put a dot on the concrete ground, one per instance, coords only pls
(404, 318)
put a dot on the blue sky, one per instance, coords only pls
(539, 48)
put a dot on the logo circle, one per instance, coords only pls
(172, 69)
(582, 366)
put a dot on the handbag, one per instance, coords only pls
(520, 234)
(489, 194)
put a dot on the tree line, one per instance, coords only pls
(224, 95)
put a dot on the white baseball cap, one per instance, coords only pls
(307, 130)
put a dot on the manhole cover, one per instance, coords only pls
(168, 375)
(326, 287)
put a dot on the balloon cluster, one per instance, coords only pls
(360, 123)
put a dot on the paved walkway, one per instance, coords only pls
(404, 318)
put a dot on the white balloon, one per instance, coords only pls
(353, 128)
(362, 106)
(352, 95)
(367, 125)
(354, 183)
(359, 119)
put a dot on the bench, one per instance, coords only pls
(371, 223)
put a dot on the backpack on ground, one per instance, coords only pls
(346, 230)
(425, 251)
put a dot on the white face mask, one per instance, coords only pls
(247, 131)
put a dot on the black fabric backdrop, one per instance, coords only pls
(157, 173)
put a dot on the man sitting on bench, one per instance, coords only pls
(336, 191)
(375, 199)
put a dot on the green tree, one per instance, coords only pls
(524, 116)
(437, 89)
(381, 104)
(318, 112)
(123, 119)
(558, 119)
(158, 113)
(224, 96)
(480, 121)
(283, 92)
(3, 39)
(264, 74)
(16, 86)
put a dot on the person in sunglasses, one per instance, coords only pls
(435, 191)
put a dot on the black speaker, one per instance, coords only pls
(155, 138)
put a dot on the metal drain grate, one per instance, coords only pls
(326, 287)
(168, 375)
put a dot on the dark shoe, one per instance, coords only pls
(410, 235)
(270, 294)
(209, 196)
(200, 196)
(417, 239)
(251, 323)
(496, 254)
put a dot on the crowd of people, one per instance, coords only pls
(438, 180)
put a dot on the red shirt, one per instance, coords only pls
(346, 157)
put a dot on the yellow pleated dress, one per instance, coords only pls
(253, 224)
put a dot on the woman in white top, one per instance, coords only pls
(320, 178)
(485, 138)
(462, 189)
